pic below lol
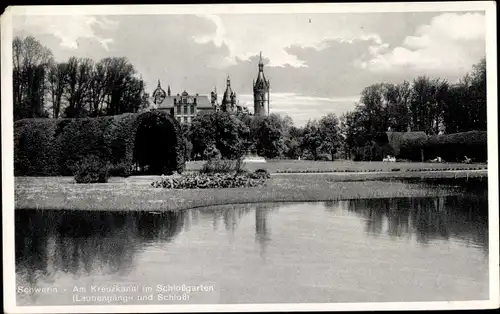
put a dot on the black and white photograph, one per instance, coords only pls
(257, 157)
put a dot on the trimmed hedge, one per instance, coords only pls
(211, 181)
(450, 147)
(51, 147)
(396, 139)
(454, 147)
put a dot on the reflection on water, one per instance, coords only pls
(404, 249)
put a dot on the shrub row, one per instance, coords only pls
(222, 166)
(377, 170)
(396, 139)
(53, 147)
(450, 147)
(210, 181)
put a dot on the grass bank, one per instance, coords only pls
(308, 166)
(135, 193)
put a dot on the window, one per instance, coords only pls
(193, 109)
(186, 109)
(178, 109)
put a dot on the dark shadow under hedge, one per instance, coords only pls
(51, 147)
(450, 147)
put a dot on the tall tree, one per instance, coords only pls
(478, 96)
(398, 99)
(268, 134)
(30, 63)
(329, 128)
(312, 139)
(78, 87)
(57, 82)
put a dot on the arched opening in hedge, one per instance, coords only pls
(156, 144)
(51, 147)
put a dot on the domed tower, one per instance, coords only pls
(229, 99)
(159, 94)
(261, 92)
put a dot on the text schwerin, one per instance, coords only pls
(27, 290)
(184, 288)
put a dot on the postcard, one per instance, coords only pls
(257, 157)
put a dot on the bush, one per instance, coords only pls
(260, 174)
(51, 147)
(208, 181)
(212, 153)
(91, 169)
(223, 166)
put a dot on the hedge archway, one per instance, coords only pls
(50, 147)
(156, 146)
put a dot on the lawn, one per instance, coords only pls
(135, 193)
(299, 166)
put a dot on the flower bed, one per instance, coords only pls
(212, 181)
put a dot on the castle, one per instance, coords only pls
(261, 92)
(185, 107)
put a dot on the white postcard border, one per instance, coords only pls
(7, 149)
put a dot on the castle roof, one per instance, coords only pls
(202, 101)
(228, 93)
(261, 82)
(159, 92)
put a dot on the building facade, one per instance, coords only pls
(261, 92)
(184, 107)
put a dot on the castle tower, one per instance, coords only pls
(261, 92)
(229, 99)
(159, 94)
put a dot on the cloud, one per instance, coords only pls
(451, 41)
(301, 108)
(69, 29)
(246, 35)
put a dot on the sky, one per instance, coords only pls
(316, 63)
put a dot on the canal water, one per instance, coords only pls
(365, 250)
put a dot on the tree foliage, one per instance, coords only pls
(221, 131)
(77, 88)
(269, 134)
(432, 106)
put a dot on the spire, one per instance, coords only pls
(159, 85)
(228, 81)
(168, 90)
(261, 64)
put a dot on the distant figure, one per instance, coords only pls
(437, 159)
(389, 158)
(467, 160)
(298, 158)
